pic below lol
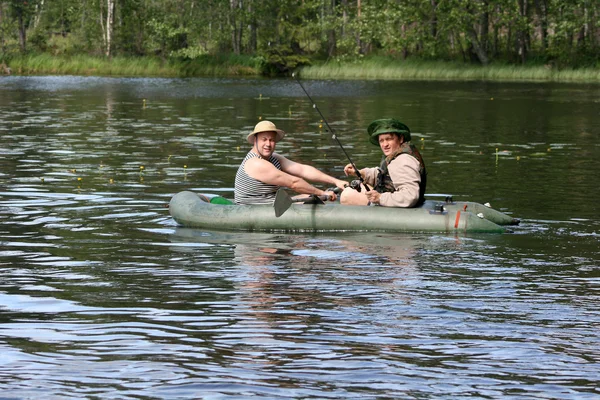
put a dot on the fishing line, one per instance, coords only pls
(333, 135)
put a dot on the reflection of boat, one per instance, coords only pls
(231, 238)
(194, 211)
(349, 248)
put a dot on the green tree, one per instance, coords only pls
(22, 11)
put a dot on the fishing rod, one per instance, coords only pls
(333, 135)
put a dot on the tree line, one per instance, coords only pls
(553, 32)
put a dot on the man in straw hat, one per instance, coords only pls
(263, 171)
(401, 178)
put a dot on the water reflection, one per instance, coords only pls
(389, 299)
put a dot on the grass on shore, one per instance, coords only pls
(386, 69)
(43, 64)
(235, 65)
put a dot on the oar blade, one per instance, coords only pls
(282, 202)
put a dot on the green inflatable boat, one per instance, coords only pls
(194, 210)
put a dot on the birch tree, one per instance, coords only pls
(108, 28)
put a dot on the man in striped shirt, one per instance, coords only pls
(263, 171)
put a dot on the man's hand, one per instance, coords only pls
(331, 196)
(340, 184)
(349, 170)
(373, 196)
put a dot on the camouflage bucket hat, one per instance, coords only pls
(387, 125)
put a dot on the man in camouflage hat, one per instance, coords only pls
(401, 178)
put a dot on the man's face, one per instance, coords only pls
(265, 143)
(389, 143)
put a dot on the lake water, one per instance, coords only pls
(103, 296)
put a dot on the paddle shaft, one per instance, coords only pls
(333, 135)
(302, 199)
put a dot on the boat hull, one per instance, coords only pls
(191, 210)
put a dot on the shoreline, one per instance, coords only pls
(448, 71)
(363, 69)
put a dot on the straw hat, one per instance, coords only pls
(265, 126)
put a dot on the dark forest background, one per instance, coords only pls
(556, 33)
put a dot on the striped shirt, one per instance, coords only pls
(252, 191)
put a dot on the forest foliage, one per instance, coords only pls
(280, 35)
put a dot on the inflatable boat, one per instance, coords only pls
(197, 210)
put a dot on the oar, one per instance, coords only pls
(283, 201)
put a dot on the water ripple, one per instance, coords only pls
(102, 295)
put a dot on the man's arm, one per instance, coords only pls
(369, 175)
(266, 172)
(309, 173)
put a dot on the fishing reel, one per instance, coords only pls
(355, 184)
